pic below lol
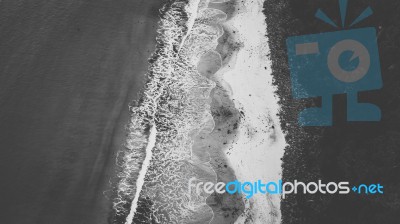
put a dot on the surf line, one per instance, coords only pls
(140, 181)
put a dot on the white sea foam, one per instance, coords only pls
(142, 173)
(175, 105)
(157, 162)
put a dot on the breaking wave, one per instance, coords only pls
(156, 162)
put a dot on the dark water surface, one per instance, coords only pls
(67, 72)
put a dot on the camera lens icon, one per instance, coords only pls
(359, 52)
(341, 62)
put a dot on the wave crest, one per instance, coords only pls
(176, 101)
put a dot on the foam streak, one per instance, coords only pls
(143, 171)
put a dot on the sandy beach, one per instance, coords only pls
(258, 144)
(68, 70)
(211, 109)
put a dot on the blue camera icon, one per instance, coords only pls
(325, 64)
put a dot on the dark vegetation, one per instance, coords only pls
(356, 152)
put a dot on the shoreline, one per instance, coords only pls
(253, 94)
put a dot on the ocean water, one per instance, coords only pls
(68, 69)
(173, 108)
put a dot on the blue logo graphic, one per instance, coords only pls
(325, 64)
(368, 189)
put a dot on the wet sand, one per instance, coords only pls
(68, 70)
